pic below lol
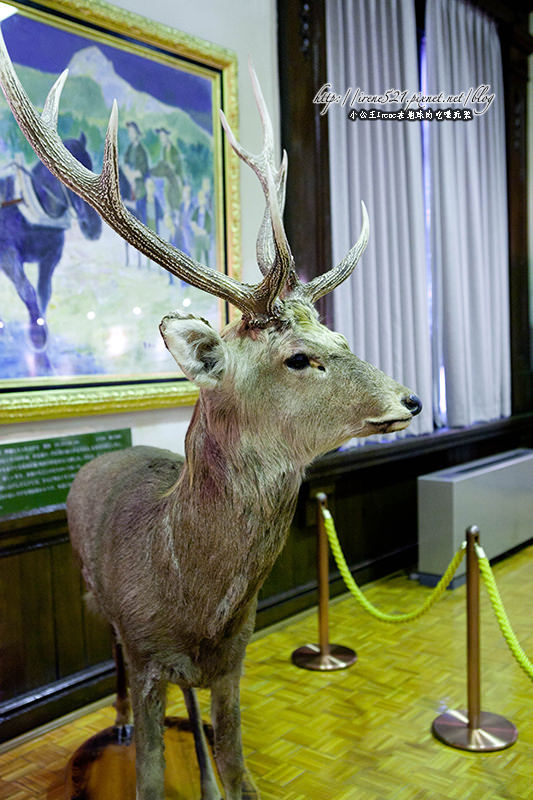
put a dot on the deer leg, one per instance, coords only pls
(122, 703)
(208, 781)
(148, 699)
(226, 716)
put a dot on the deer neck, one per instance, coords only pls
(239, 472)
(236, 502)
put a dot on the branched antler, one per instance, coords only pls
(273, 252)
(260, 304)
(272, 245)
(328, 281)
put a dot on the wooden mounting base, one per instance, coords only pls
(103, 768)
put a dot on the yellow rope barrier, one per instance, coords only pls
(486, 573)
(354, 589)
(501, 615)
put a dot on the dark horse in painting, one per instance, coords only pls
(22, 241)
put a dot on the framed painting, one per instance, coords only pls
(79, 308)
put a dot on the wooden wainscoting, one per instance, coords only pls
(53, 652)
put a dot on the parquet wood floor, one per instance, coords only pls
(362, 733)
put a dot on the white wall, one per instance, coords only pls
(248, 29)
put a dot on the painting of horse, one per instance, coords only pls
(77, 307)
(23, 241)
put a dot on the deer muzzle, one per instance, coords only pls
(390, 424)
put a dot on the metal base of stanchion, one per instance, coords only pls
(494, 732)
(310, 657)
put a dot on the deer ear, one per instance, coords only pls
(196, 347)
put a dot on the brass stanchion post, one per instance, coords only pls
(323, 579)
(324, 656)
(472, 630)
(475, 730)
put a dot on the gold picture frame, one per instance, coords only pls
(41, 395)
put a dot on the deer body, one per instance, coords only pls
(213, 547)
(173, 550)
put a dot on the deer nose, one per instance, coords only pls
(413, 404)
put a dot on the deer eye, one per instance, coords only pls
(297, 361)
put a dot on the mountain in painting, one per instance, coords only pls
(92, 63)
(90, 89)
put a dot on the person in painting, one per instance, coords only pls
(175, 237)
(170, 168)
(149, 209)
(206, 188)
(202, 226)
(136, 165)
(184, 236)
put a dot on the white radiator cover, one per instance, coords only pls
(495, 493)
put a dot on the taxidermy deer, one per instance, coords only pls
(174, 550)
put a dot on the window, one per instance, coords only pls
(430, 303)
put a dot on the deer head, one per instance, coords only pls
(275, 363)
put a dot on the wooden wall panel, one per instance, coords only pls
(11, 630)
(38, 617)
(68, 611)
(53, 654)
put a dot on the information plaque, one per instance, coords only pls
(37, 475)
